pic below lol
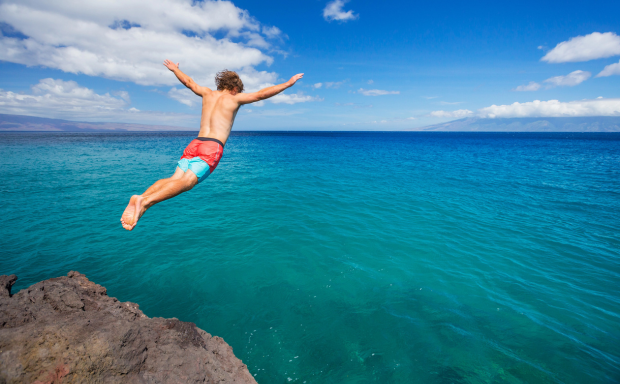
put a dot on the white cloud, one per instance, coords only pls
(123, 95)
(183, 96)
(317, 85)
(532, 86)
(66, 97)
(570, 80)
(273, 32)
(334, 84)
(128, 40)
(333, 11)
(458, 114)
(583, 48)
(294, 98)
(611, 69)
(254, 80)
(554, 108)
(67, 100)
(354, 105)
(376, 92)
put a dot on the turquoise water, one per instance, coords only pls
(345, 257)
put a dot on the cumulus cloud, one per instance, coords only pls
(333, 11)
(537, 108)
(334, 84)
(583, 48)
(294, 98)
(354, 105)
(58, 95)
(183, 96)
(554, 108)
(317, 85)
(570, 80)
(254, 80)
(376, 92)
(458, 114)
(611, 69)
(273, 32)
(532, 86)
(127, 40)
(68, 100)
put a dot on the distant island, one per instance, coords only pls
(19, 123)
(530, 124)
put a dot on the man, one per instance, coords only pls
(202, 155)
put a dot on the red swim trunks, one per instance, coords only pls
(201, 156)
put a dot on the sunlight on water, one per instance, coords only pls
(345, 257)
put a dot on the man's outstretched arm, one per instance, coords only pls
(265, 93)
(186, 80)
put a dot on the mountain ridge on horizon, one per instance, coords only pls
(22, 123)
(529, 124)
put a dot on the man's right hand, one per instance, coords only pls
(294, 79)
(170, 65)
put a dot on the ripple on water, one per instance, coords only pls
(345, 257)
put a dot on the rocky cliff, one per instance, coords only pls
(68, 330)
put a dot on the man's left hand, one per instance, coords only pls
(170, 65)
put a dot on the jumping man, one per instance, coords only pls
(202, 155)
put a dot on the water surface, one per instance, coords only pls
(344, 257)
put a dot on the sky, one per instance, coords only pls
(368, 65)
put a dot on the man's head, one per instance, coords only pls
(228, 80)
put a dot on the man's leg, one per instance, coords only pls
(162, 190)
(129, 213)
(171, 189)
(178, 173)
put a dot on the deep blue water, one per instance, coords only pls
(345, 257)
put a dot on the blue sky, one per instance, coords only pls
(368, 65)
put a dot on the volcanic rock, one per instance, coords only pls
(68, 330)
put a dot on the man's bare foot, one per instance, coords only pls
(133, 212)
(139, 210)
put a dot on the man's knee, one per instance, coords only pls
(189, 180)
(190, 185)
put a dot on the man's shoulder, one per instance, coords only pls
(217, 95)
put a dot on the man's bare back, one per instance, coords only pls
(219, 109)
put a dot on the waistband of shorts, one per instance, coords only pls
(210, 139)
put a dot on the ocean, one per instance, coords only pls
(344, 257)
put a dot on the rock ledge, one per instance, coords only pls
(68, 330)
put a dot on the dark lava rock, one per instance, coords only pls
(68, 330)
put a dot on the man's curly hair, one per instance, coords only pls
(228, 80)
